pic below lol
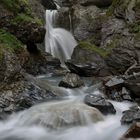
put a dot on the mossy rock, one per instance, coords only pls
(92, 47)
(134, 27)
(22, 12)
(103, 52)
(9, 41)
(24, 18)
(16, 6)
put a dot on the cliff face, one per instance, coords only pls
(21, 23)
(108, 31)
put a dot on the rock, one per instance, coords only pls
(60, 114)
(71, 81)
(133, 86)
(134, 69)
(48, 4)
(25, 92)
(114, 82)
(100, 103)
(83, 69)
(9, 66)
(115, 89)
(130, 116)
(133, 131)
(41, 63)
(23, 22)
(126, 94)
(98, 3)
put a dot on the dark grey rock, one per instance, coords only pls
(100, 103)
(71, 81)
(114, 82)
(131, 115)
(133, 86)
(83, 69)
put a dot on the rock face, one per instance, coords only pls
(109, 34)
(71, 81)
(22, 94)
(20, 19)
(100, 103)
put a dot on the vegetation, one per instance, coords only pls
(134, 27)
(92, 47)
(22, 11)
(9, 41)
(16, 6)
(23, 18)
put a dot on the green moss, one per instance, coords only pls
(94, 48)
(134, 27)
(24, 18)
(16, 6)
(111, 45)
(22, 12)
(9, 41)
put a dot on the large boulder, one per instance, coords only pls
(100, 103)
(60, 115)
(83, 69)
(71, 80)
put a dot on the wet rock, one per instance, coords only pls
(130, 116)
(100, 103)
(115, 90)
(133, 86)
(24, 93)
(83, 69)
(71, 81)
(126, 94)
(61, 114)
(133, 131)
(41, 63)
(3, 116)
(114, 82)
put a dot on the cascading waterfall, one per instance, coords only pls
(58, 42)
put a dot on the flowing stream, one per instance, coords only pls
(66, 119)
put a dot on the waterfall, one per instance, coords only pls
(58, 42)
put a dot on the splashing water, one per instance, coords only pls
(64, 114)
(59, 42)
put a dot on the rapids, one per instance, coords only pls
(66, 119)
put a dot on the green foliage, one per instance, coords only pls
(15, 6)
(92, 47)
(134, 27)
(9, 41)
(24, 18)
(22, 11)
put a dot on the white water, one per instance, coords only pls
(58, 42)
(29, 125)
